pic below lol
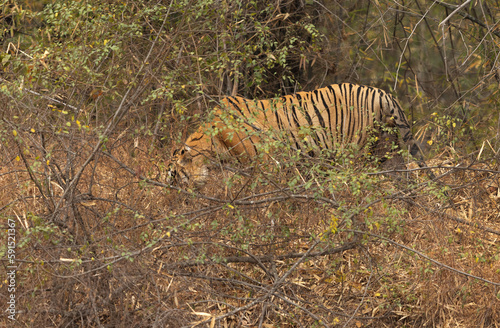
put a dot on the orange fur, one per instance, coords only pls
(340, 114)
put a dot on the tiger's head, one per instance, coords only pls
(185, 166)
(215, 140)
(189, 164)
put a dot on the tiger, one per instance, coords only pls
(336, 114)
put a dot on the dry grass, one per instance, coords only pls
(218, 259)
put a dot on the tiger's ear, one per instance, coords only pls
(181, 151)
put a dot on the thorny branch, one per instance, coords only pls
(469, 17)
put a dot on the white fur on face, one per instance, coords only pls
(201, 175)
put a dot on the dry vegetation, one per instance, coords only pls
(125, 250)
(102, 240)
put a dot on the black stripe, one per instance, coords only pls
(372, 107)
(297, 144)
(381, 105)
(304, 110)
(320, 117)
(294, 114)
(348, 111)
(336, 109)
(196, 139)
(340, 110)
(278, 120)
(320, 132)
(365, 124)
(359, 113)
(356, 112)
(328, 112)
(343, 103)
(327, 109)
(247, 107)
(261, 103)
(286, 107)
(236, 104)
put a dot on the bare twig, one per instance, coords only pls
(45, 97)
(467, 16)
(263, 259)
(406, 44)
(453, 13)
